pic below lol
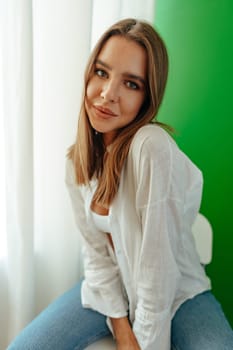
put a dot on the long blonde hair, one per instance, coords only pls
(88, 153)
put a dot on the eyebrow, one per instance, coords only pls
(126, 74)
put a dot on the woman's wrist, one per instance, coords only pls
(124, 334)
(121, 327)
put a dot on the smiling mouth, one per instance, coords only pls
(104, 112)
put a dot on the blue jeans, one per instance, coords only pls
(199, 324)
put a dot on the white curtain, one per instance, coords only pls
(43, 51)
(106, 12)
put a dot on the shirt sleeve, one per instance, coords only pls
(102, 287)
(160, 203)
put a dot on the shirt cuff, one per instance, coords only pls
(110, 303)
(152, 330)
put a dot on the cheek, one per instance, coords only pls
(135, 104)
(89, 91)
(92, 89)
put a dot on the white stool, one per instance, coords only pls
(104, 344)
(203, 236)
(202, 232)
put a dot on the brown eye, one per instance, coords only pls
(132, 85)
(101, 73)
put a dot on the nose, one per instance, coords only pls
(110, 91)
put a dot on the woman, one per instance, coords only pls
(135, 197)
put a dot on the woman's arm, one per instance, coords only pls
(162, 180)
(124, 334)
(102, 288)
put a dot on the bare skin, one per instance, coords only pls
(125, 337)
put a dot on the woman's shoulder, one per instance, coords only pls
(70, 177)
(152, 137)
(152, 141)
(152, 144)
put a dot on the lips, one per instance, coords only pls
(104, 111)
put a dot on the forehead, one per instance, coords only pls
(125, 54)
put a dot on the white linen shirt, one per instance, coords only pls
(157, 266)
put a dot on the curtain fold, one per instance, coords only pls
(17, 107)
(106, 12)
(44, 49)
(60, 50)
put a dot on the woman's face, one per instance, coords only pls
(116, 90)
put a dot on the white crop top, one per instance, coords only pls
(101, 222)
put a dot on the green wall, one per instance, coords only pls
(199, 104)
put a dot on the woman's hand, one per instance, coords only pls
(130, 344)
(124, 334)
